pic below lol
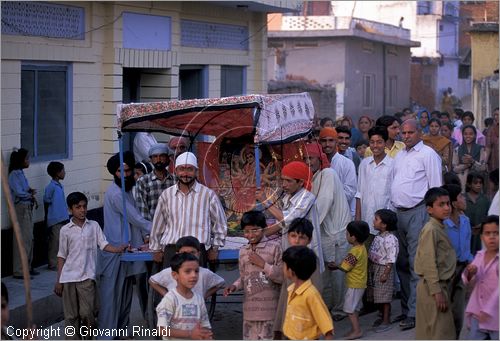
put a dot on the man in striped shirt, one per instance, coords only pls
(188, 208)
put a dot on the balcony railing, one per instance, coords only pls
(302, 23)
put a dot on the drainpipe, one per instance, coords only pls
(384, 81)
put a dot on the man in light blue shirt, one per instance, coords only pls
(116, 277)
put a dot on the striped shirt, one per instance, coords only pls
(198, 213)
(147, 192)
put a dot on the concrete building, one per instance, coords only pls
(66, 65)
(435, 63)
(367, 62)
(484, 69)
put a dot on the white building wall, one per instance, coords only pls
(97, 64)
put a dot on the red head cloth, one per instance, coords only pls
(331, 132)
(300, 171)
(314, 149)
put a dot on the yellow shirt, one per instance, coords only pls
(355, 264)
(396, 148)
(307, 316)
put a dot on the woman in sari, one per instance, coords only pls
(469, 156)
(440, 144)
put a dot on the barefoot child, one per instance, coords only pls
(355, 264)
(299, 233)
(182, 313)
(482, 274)
(261, 275)
(383, 254)
(76, 264)
(307, 316)
(435, 263)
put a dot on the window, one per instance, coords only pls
(233, 80)
(368, 90)
(45, 110)
(193, 82)
(424, 7)
(392, 95)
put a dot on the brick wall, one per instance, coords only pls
(422, 88)
(484, 11)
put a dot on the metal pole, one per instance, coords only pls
(20, 245)
(125, 234)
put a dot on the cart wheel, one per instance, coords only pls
(211, 309)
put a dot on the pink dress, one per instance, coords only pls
(484, 297)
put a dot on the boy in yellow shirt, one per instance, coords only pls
(355, 264)
(307, 316)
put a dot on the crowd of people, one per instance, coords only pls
(399, 204)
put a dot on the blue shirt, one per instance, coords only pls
(55, 198)
(138, 228)
(460, 237)
(19, 188)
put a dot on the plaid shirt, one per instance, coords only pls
(148, 191)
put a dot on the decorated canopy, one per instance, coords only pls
(271, 119)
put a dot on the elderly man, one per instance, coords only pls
(416, 169)
(116, 278)
(342, 165)
(334, 215)
(188, 209)
(150, 186)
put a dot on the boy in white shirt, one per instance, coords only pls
(76, 263)
(208, 282)
(182, 313)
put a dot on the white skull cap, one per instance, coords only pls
(186, 158)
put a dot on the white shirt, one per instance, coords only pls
(177, 312)
(333, 210)
(142, 142)
(302, 205)
(198, 213)
(495, 203)
(78, 247)
(414, 172)
(374, 187)
(206, 280)
(384, 249)
(347, 174)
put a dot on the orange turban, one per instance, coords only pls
(314, 149)
(300, 171)
(330, 132)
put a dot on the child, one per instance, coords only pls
(141, 168)
(208, 282)
(56, 210)
(355, 264)
(361, 148)
(76, 263)
(435, 263)
(477, 207)
(383, 254)
(307, 316)
(261, 275)
(299, 233)
(459, 232)
(482, 275)
(24, 200)
(182, 313)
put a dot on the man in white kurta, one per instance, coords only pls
(342, 165)
(374, 179)
(334, 215)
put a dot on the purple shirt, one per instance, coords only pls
(484, 297)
